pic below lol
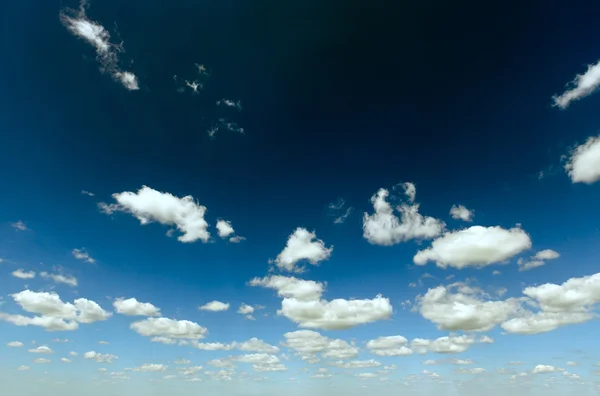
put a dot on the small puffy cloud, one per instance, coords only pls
(19, 226)
(164, 340)
(96, 35)
(90, 312)
(583, 163)
(100, 357)
(23, 368)
(22, 274)
(385, 228)
(486, 340)
(150, 368)
(256, 345)
(460, 212)
(83, 255)
(65, 360)
(59, 278)
(41, 361)
(538, 260)
(224, 228)
(132, 307)
(475, 246)
(245, 309)
(15, 344)
(583, 85)
(302, 245)
(41, 349)
(546, 369)
(307, 343)
(462, 362)
(215, 306)
(299, 289)
(165, 327)
(73, 353)
(149, 205)
(444, 345)
(336, 314)
(389, 346)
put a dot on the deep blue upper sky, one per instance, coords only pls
(339, 99)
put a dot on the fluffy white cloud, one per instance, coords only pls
(15, 344)
(583, 85)
(583, 164)
(22, 274)
(96, 35)
(224, 228)
(149, 205)
(389, 346)
(99, 357)
(302, 290)
(164, 340)
(59, 278)
(302, 245)
(165, 327)
(214, 346)
(446, 345)
(256, 345)
(460, 212)
(384, 228)
(308, 343)
(336, 314)
(41, 349)
(150, 368)
(215, 306)
(475, 246)
(89, 311)
(132, 307)
(464, 310)
(462, 362)
(474, 371)
(356, 364)
(83, 255)
(537, 260)
(245, 309)
(545, 369)
(486, 340)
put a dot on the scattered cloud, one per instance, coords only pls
(85, 192)
(107, 53)
(41, 349)
(475, 246)
(302, 290)
(15, 344)
(340, 211)
(384, 228)
(538, 260)
(583, 85)
(99, 357)
(583, 162)
(42, 361)
(307, 344)
(302, 245)
(19, 226)
(390, 346)
(83, 255)
(59, 278)
(171, 328)
(545, 369)
(225, 230)
(150, 368)
(460, 212)
(444, 345)
(132, 307)
(23, 368)
(22, 274)
(230, 103)
(215, 306)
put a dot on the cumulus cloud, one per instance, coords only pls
(245, 309)
(83, 255)
(538, 260)
(389, 346)
(165, 327)
(99, 357)
(22, 274)
(583, 163)
(460, 212)
(256, 345)
(385, 228)
(336, 314)
(215, 306)
(60, 278)
(308, 343)
(545, 369)
(299, 289)
(15, 344)
(132, 307)
(149, 205)
(302, 245)
(475, 246)
(583, 85)
(445, 345)
(107, 53)
(225, 230)
(55, 315)
(41, 349)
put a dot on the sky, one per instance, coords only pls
(248, 198)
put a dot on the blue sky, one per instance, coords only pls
(367, 205)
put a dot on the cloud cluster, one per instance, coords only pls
(225, 230)
(538, 260)
(307, 344)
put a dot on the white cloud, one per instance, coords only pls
(302, 245)
(463, 311)
(22, 274)
(237, 239)
(475, 246)
(15, 344)
(224, 228)
(460, 212)
(545, 369)
(384, 228)
(256, 345)
(103, 342)
(215, 306)
(300, 289)
(583, 164)
(59, 278)
(157, 327)
(486, 340)
(95, 34)
(308, 343)
(462, 362)
(336, 314)
(214, 346)
(583, 85)
(430, 362)
(73, 353)
(19, 226)
(41, 361)
(85, 192)
(164, 340)
(230, 103)
(538, 260)
(23, 368)
(150, 368)
(572, 364)
(41, 349)
(245, 309)
(132, 307)
(182, 361)
(474, 371)
(149, 205)
(83, 255)
(89, 311)
(445, 345)
(366, 375)
(99, 357)
(389, 346)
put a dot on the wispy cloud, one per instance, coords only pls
(230, 103)
(583, 85)
(19, 226)
(83, 255)
(85, 192)
(107, 53)
(340, 211)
